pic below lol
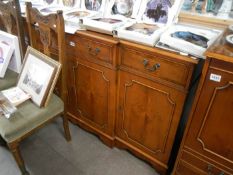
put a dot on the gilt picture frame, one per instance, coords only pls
(38, 76)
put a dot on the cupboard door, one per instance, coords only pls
(211, 132)
(94, 97)
(148, 115)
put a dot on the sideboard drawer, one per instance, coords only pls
(85, 48)
(155, 66)
(197, 163)
(184, 169)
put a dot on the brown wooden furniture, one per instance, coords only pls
(29, 117)
(127, 94)
(207, 146)
(152, 88)
(92, 81)
(12, 22)
(51, 34)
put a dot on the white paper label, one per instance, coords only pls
(215, 77)
(72, 44)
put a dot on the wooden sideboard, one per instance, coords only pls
(207, 146)
(130, 95)
(92, 83)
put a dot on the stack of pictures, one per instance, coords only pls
(193, 40)
(118, 13)
(88, 9)
(153, 18)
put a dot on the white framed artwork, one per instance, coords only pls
(15, 61)
(38, 76)
(153, 19)
(190, 39)
(5, 56)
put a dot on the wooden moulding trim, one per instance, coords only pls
(98, 36)
(207, 21)
(77, 120)
(139, 151)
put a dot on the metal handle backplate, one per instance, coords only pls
(92, 51)
(150, 69)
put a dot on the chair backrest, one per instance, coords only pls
(12, 22)
(46, 33)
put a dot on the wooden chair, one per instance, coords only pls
(29, 118)
(11, 22)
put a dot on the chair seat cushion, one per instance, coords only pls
(9, 80)
(28, 117)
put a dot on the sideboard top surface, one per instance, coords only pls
(113, 40)
(221, 49)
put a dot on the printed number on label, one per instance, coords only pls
(215, 77)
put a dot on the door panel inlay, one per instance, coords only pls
(92, 94)
(219, 114)
(151, 111)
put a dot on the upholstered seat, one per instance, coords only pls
(28, 117)
(9, 80)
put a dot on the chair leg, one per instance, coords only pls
(14, 148)
(66, 127)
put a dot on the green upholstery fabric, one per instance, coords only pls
(28, 117)
(9, 80)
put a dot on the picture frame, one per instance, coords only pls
(97, 5)
(38, 76)
(123, 8)
(15, 61)
(5, 55)
(190, 39)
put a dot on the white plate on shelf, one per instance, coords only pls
(231, 27)
(229, 38)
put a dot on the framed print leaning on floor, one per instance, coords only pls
(38, 76)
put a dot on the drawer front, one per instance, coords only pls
(155, 66)
(85, 48)
(184, 169)
(198, 164)
(221, 65)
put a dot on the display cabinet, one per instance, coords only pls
(207, 146)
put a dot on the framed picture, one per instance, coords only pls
(157, 11)
(12, 40)
(5, 55)
(146, 29)
(94, 5)
(123, 8)
(38, 76)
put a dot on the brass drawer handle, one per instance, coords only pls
(92, 51)
(150, 69)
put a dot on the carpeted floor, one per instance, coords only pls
(48, 153)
